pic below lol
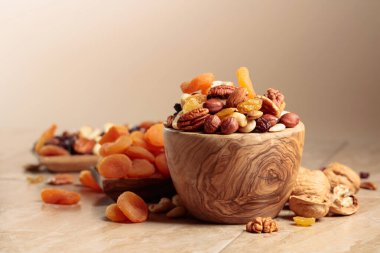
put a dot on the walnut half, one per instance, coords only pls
(344, 202)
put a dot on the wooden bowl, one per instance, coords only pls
(233, 178)
(72, 163)
(150, 189)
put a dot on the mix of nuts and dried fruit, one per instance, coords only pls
(211, 106)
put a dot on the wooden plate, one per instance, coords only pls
(71, 163)
(150, 189)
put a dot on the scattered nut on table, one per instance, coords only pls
(262, 225)
(368, 186)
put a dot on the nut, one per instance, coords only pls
(254, 115)
(368, 186)
(176, 200)
(175, 120)
(290, 119)
(338, 173)
(177, 212)
(269, 107)
(163, 206)
(344, 202)
(221, 91)
(229, 125)
(262, 125)
(212, 124)
(251, 124)
(276, 96)
(277, 128)
(241, 119)
(238, 96)
(169, 121)
(265, 225)
(193, 120)
(271, 119)
(61, 179)
(311, 195)
(218, 83)
(214, 105)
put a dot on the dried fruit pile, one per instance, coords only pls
(136, 154)
(83, 142)
(220, 107)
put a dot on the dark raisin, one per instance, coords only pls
(178, 107)
(364, 175)
(263, 125)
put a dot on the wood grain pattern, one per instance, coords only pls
(73, 163)
(233, 178)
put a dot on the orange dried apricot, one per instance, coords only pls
(138, 139)
(86, 179)
(203, 81)
(114, 133)
(53, 150)
(46, 135)
(155, 135)
(186, 87)
(141, 168)
(117, 147)
(155, 150)
(162, 165)
(146, 124)
(245, 81)
(115, 166)
(136, 152)
(133, 207)
(113, 213)
(59, 196)
(84, 145)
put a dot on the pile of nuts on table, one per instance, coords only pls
(211, 106)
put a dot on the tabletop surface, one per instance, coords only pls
(28, 225)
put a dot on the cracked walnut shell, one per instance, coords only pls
(338, 173)
(262, 225)
(311, 195)
(344, 202)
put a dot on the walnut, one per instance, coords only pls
(311, 195)
(338, 173)
(262, 225)
(344, 202)
(276, 96)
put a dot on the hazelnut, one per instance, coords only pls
(229, 125)
(290, 119)
(214, 105)
(212, 124)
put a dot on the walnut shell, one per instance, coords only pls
(338, 173)
(311, 194)
(344, 202)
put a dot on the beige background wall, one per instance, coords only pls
(90, 62)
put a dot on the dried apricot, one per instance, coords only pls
(245, 81)
(113, 213)
(53, 150)
(155, 135)
(114, 133)
(133, 207)
(253, 104)
(138, 139)
(47, 135)
(155, 150)
(136, 152)
(201, 82)
(141, 168)
(115, 166)
(162, 165)
(186, 87)
(59, 196)
(84, 146)
(146, 124)
(117, 147)
(86, 178)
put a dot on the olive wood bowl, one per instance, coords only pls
(71, 163)
(231, 179)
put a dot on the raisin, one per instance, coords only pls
(178, 107)
(253, 104)
(304, 222)
(263, 125)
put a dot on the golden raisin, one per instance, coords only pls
(253, 104)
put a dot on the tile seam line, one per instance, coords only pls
(221, 250)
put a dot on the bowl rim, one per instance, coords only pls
(268, 135)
